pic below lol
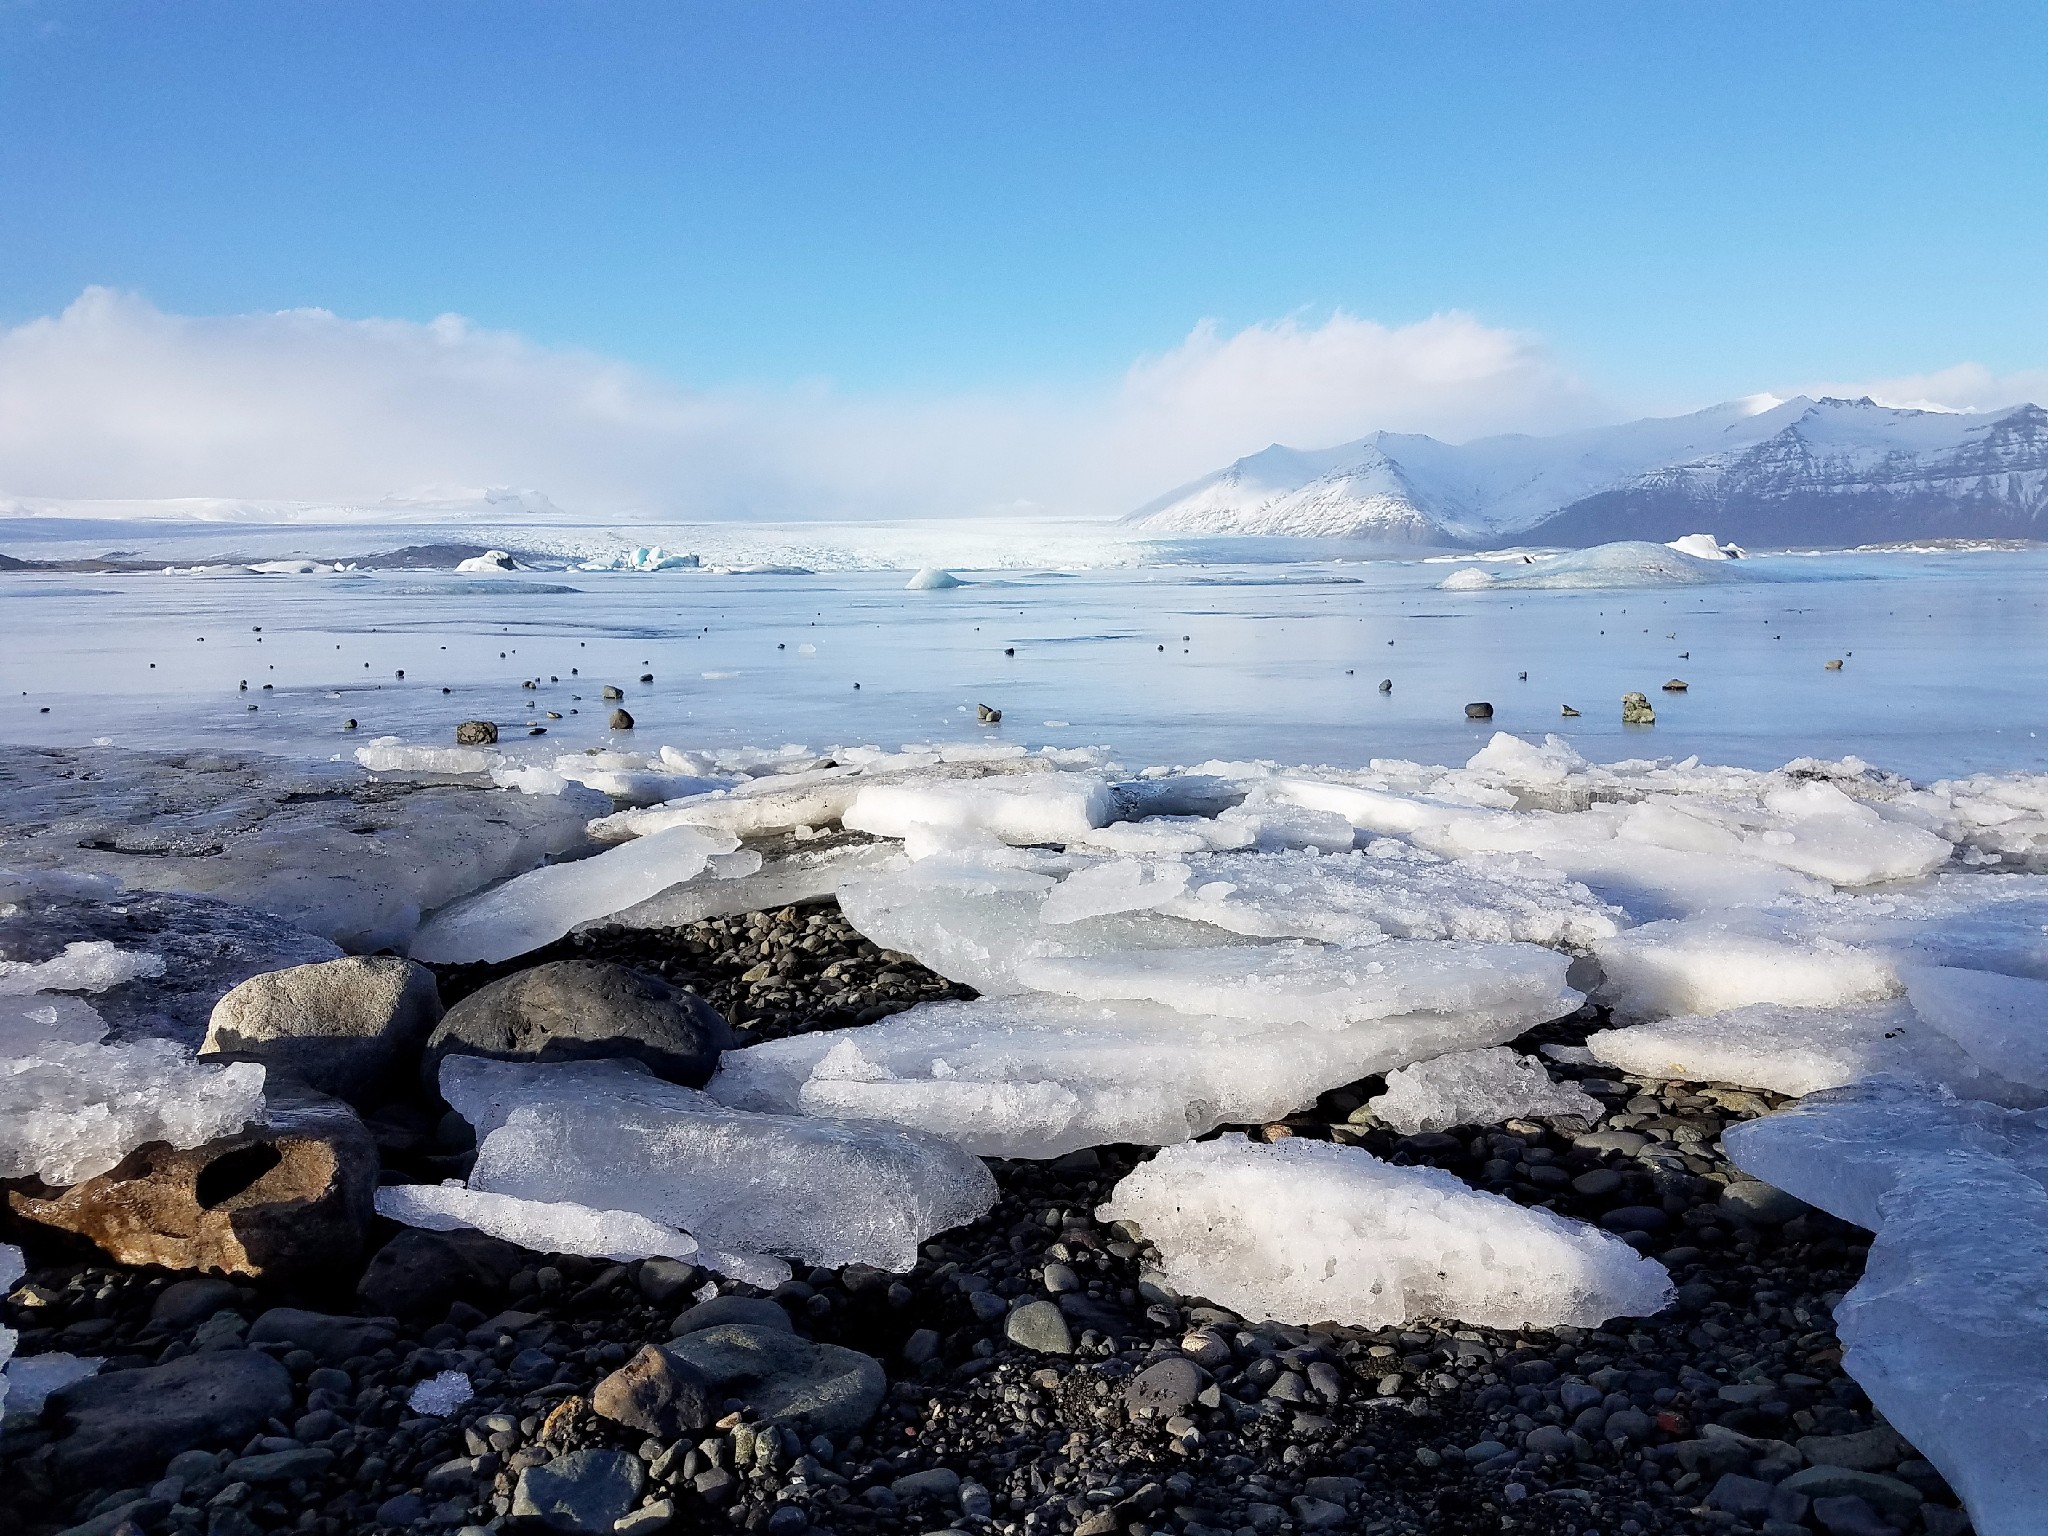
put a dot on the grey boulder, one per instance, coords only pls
(342, 1025)
(120, 1428)
(578, 1010)
(815, 1389)
(583, 1493)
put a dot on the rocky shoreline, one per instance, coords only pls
(1033, 1373)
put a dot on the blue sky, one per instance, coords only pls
(1678, 202)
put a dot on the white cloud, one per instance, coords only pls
(114, 398)
(1964, 387)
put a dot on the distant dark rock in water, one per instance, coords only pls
(1386, 685)
(1635, 710)
(476, 733)
(1834, 666)
(1676, 685)
(1570, 713)
(609, 692)
(988, 716)
(1478, 711)
(621, 720)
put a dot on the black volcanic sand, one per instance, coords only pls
(1627, 1429)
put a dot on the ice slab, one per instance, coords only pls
(1689, 966)
(537, 908)
(1307, 1231)
(558, 1226)
(1024, 809)
(1299, 983)
(71, 1111)
(1798, 1051)
(606, 1135)
(392, 754)
(2000, 1022)
(1036, 1076)
(47, 1018)
(780, 880)
(1478, 1087)
(323, 846)
(1626, 563)
(1948, 1328)
(1391, 890)
(974, 917)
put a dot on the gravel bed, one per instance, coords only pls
(1138, 1411)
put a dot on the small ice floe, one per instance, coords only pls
(440, 1394)
(931, 579)
(1308, 1231)
(489, 560)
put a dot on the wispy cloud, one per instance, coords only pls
(117, 398)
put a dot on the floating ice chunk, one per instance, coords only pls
(1180, 796)
(1023, 809)
(1271, 825)
(931, 579)
(2000, 1022)
(391, 754)
(1037, 1076)
(1477, 1088)
(537, 908)
(1626, 563)
(1698, 966)
(30, 1379)
(1369, 810)
(1165, 835)
(441, 1393)
(1391, 890)
(646, 557)
(1797, 1051)
(972, 917)
(71, 1111)
(1121, 885)
(87, 965)
(634, 781)
(604, 1134)
(1512, 758)
(489, 560)
(46, 1018)
(558, 1226)
(1307, 1231)
(1297, 983)
(1947, 1330)
(531, 779)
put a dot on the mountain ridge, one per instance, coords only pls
(1759, 470)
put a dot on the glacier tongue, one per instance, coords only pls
(603, 1135)
(1037, 1076)
(1309, 1232)
(1948, 1328)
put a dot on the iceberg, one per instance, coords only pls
(931, 579)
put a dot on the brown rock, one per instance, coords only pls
(656, 1394)
(289, 1195)
(476, 733)
(621, 721)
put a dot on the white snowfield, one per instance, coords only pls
(1948, 1328)
(1308, 1232)
(609, 1136)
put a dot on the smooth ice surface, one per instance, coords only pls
(1037, 1076)
(557, 1226)
(1308, 1231)
(539, 907)
(47, 1018)
(2000, 1022)
(30, 1379)
(1479, 1087)
(778, 881)
(440, 1394)
(1700, 966)
(1948, 1328)
(1024, 809)
(71, 1111)
(604, 1135)
(1298, 983)
(1797, 1051)
(87, 965)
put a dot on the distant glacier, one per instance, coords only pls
(1765, 472)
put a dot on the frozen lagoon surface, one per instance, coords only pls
(1281, 660)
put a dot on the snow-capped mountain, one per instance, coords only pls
(1761, 471)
